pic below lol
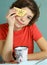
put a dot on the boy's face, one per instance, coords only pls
(22, 21)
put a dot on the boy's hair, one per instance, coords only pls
(31, 4)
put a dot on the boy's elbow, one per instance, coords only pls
(45, 52)
(5, 57)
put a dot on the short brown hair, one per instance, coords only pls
(31, 4)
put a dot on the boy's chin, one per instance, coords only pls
(18, 26)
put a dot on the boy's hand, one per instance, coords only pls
(11, 17)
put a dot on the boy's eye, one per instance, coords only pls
(29, 17)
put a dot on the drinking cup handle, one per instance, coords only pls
(13, 54)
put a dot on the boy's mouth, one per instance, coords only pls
(20, 22)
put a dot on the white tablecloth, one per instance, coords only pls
(33, 62)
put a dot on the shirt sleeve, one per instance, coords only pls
(3, 31)
(36, 33)
(0, 34)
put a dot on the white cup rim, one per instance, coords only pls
(21, 48)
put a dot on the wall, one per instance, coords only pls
(42, 22)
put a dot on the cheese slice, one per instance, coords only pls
(20, 12)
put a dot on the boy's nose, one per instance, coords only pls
(22, 19)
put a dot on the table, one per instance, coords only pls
(33, 62)
(44, 62)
